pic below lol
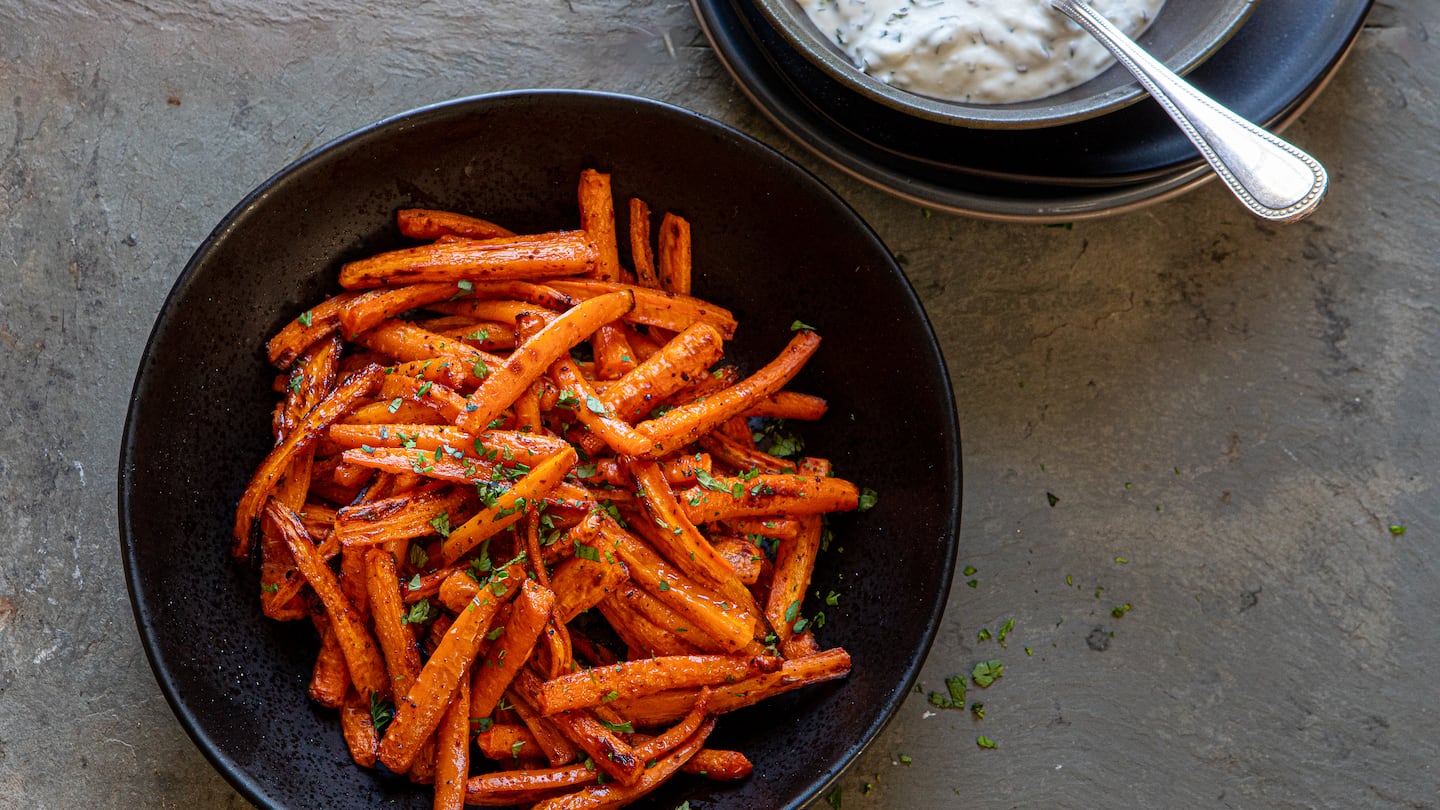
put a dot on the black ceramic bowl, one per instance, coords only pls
(771, 243)
(1183, 35)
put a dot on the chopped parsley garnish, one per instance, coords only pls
(955, 685)
(590, 553)
(441, 524)
(619, 728)
(420, 613)
(985, 742)
(306, 318)
(868, 499)
(1052, 498)
(986, 673)
(798, 326)
(381, 712)
(1005, 631)
(417, 556)
(1119, 611)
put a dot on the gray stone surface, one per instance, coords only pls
(1238, 410)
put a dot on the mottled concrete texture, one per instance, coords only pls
(1239, 411)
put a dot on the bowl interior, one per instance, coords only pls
(1183, 34)
(771, 243)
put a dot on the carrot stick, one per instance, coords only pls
(641, 254)
(635, 678)
(581, 582)
(509, 507)
(670, 311)
(397, 640)
(423, 223)
(740, 455)
(358, 727)
(330, 679)
(790, 405)
(785, 495)
(309, 327)
(665, 707)
(418, 713)
(505, 382)
(683, 358)
(452, 752)
(506, 741)
(611, 795)
(528, 617)
(373, 307)
(686, 423)
(555, 746)
(367, 670)
(674, 255)
(564, 253)
(360, 384)
(618, 435)
(399, 518)
(597, 219)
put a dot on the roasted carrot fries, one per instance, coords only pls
(516, 489)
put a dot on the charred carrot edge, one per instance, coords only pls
(424, 223)
(674, 256)
(642, 256)
(562, 253)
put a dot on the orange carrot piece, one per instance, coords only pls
(674, 256)
(529, 360)
(373, 307)
(790, 405)
(509, 652)
(680, 361)
(400, 518)
(360, 384)
(791, 495)
(452, 752)
(418, 713)
(330, 679)
(612, 795)
(641, 254)
(686, 423)
(563, 253)
(367, 669)
(581, 582)
(741, 455)
(358, 727)
(665, 707)
(506, 741)
(309, 327)
(387, 608)
(658, 308)
(509, 507)
(424, 223)
(615, 432)
(631, 679)
(597, 219)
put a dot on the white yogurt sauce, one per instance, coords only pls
(981, 51)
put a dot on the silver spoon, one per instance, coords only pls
(1271, 177)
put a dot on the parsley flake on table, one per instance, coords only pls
(985, 742)
(986, 673)
(1396, 529)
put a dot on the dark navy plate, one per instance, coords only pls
(771, 242)
(1268, 72)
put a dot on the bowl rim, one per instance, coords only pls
(795, 26)
(144, 613)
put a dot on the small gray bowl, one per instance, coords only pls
(1182, 36)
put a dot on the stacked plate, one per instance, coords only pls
(1269, 72)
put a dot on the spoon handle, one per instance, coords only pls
(1271, 177)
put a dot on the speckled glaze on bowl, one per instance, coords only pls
(1182, 36)
(771, 242)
